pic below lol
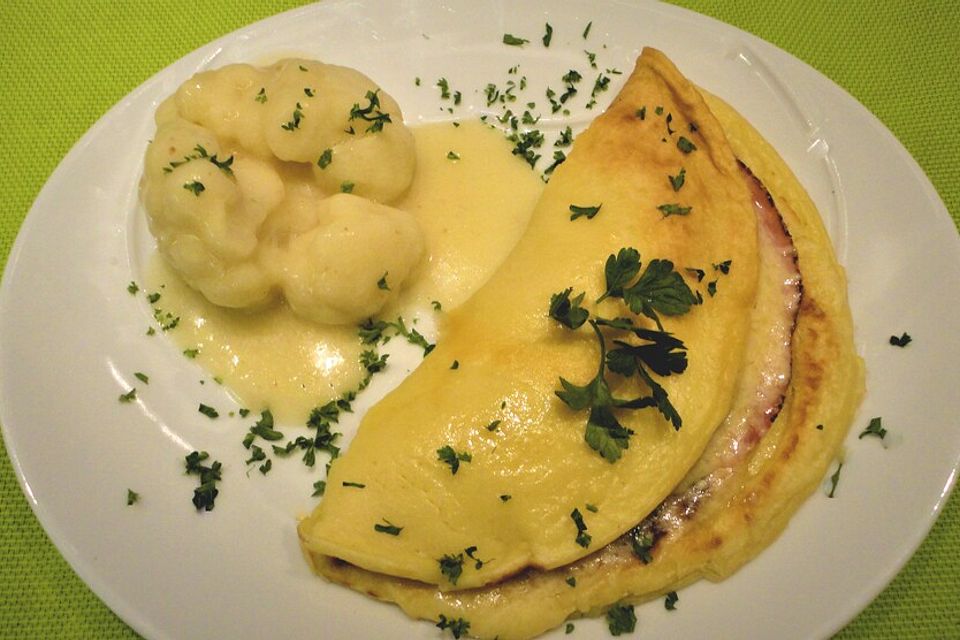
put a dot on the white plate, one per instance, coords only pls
(71, 338)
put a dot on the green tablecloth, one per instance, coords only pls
(65, 63)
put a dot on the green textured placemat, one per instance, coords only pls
(64, 64)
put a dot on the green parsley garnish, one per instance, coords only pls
(674, 209)
(355, 485)
(452, 567)
(325, 158)
(641, 544)
(223, 165)
(458, 627)
(133, 288)
(372, 331)
(875, 428)
(373, 362)
(191, 353)
(294, 122)
(455, 365)
(572, 581)
(142, 377)
(670, 603)
(583, 538)
(902, 341)
(658, 290)
(129, 396)
(320, 420)
(436, 305)
(548, 35)
(493, 426)
(568, 312)
(453, 155)
(346, 187)
(208, 411)
(621, 619)
(559, 157)
(132, 497)
(447, 455)
(723, 267)
(834, 479)
(514, 41)
(685, 145)
(261, 95)
(382, 282)
(642, 112)
(319, 488)
(264, 429)
(205, 494)
(586, 32)
(308, 92)
(505, 497)
(577, 211)
(390, 529)
(677, 181)
(371, 113)
(196, 187)
(568, 629)
(477, 562)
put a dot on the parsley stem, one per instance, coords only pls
(603, 348)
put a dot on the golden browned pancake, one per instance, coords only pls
(504, 430)
(748, 505)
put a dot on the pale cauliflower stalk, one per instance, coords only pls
(263, 183)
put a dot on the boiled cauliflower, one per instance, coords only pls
(263, 183)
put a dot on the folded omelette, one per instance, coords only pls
(542, 480)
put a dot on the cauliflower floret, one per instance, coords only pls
(205, 210)
(237, 185)
(352, 263)
(225, 101)
(339, 121)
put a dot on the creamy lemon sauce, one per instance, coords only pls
(471, 197)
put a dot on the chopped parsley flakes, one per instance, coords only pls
(875, 428)
(196, 187)
(208, 411)
(621, 619)
(458, 627)
(449, 456)
(389, 528)
(583, 538)
(205, 494)
(588, 212)
(452, 567)
(901, 341)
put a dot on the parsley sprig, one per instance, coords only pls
(658, 290)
